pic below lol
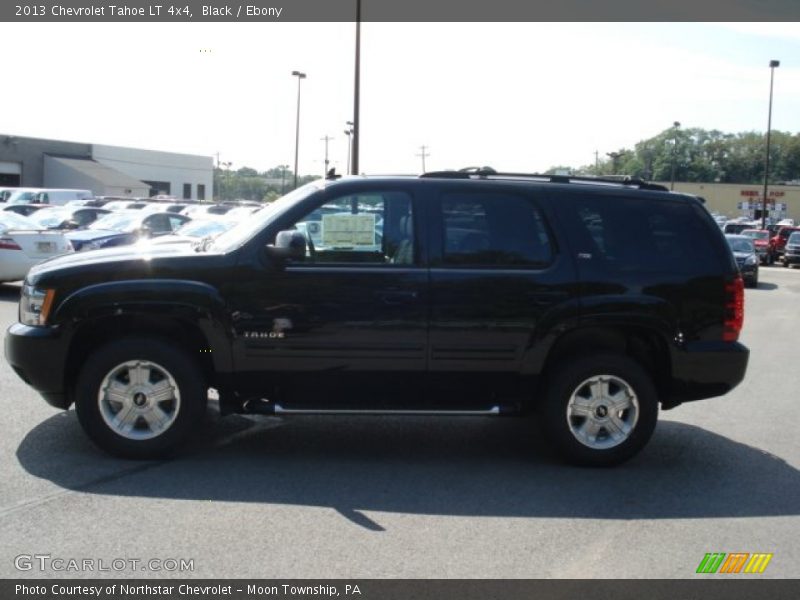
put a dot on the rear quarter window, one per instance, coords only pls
(632, 234)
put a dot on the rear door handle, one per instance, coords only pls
(546, 298)
(396, 296)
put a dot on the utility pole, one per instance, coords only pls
(423, 154)
(614, 156)
(596, 163)
(326, 139)
(675, 126)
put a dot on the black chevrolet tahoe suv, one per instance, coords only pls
(585, 302)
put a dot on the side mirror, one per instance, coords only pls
(289, 245)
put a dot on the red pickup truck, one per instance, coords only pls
(778, 241)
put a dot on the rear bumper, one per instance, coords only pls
(38, 356)
(792, 259)
(706, 369)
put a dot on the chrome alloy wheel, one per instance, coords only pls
(139, 399)
(602, 412)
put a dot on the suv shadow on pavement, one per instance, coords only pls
(453, 466)
(9, 293)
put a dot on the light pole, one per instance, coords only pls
(349, 133)
(283, 169)
(675, 126)
(357, 90)
(326, 139)
(227, 178)
(300, 76)
(772, 65)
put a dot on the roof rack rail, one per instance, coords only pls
(488, 172)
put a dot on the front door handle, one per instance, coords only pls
(546, 298)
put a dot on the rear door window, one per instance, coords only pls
(492, 229)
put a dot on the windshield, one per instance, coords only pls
(235, 237)
(11, 220)
(741, 245)
(21, 197)
(117, 222)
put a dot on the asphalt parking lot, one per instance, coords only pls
(404, 497)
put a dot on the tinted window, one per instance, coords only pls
(492, 229)
(375, 227)
(631, 234)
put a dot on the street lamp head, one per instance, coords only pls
(347, 132)
(677, 124)
(774, 63)
(299, 74)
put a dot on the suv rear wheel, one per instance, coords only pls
(600, 410)
(139, 398)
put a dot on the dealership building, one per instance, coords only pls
(105, 170)
(746, 200)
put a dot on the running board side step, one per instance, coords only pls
(261, 407)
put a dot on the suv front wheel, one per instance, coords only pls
(599, 410)
(139, 398)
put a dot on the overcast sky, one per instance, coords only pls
(523, 96)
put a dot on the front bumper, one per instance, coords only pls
(706, 369)
(38, 356)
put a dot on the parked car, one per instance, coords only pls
(744, 251)
(5, 193)
(123, 228)
(24, 210)
(763, 244)
(193, 231)
(778, 241)
(67, 217)
(791, 252)
(116, 205)
(588, 302)
(48, 196)
(23, 245)
(736, 227)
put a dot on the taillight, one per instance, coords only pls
(8, 243)
(734, 309)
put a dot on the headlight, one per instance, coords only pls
(34, 305)
(751, 260)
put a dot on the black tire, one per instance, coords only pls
(185, 411)
(568, 380)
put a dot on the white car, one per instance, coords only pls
(23, 244)
(193, 231)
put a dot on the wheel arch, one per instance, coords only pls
(175, 331)
(645, 345)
